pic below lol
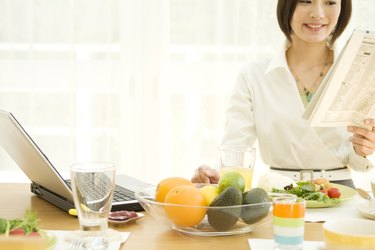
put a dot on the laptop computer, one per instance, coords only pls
(46, 182)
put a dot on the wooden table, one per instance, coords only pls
(146, 233)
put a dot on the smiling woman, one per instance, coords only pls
(142, 83)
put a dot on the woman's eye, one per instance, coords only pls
(331, 2)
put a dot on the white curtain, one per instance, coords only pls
(142, 83)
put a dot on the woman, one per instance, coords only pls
(271, 95)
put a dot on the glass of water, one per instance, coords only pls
(93, 186)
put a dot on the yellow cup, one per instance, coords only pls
(349, 233)
(239, 159)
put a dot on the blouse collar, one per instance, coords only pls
(279, 60)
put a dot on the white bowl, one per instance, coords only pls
(349, 234)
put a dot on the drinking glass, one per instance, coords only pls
(239, 159)
(288, 222)
(93, 186)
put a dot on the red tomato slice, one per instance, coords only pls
(34, 234)
(17, 231)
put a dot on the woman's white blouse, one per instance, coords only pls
(266, 106)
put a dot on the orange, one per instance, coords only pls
(188, 210)
(167, 184)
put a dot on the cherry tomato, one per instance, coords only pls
(334, 192)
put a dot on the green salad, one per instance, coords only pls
(310, 190)
(26, 226)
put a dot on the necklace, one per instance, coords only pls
(307, 92)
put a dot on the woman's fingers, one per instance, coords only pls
(205, 174)
(363, 139)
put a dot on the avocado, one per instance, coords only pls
(224, 218)
(253, 214)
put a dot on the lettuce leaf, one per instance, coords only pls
(3, 225)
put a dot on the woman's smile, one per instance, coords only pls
(314, 27)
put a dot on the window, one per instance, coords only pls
(142, 83)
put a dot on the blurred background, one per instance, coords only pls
(141, 83)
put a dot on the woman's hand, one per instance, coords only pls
(205, 174)
(363, 139)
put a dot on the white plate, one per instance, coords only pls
(120, 222)
(367, 209)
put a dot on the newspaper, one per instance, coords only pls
(346, 96)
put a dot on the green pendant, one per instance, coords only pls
(309, 96)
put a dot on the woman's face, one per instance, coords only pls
(313, 21)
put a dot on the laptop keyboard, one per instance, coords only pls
(123, 194)
(120, 194)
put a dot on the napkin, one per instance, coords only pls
(266, 244)
(61, 244)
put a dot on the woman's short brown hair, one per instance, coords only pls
(286, 8)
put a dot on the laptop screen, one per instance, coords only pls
(28, 156)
